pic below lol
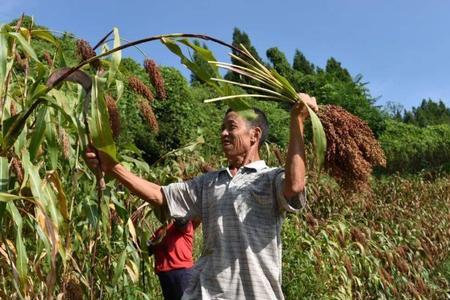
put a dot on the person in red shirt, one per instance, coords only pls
(171, 245)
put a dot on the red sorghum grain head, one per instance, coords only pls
(48, 58)
(114, 115)
(352, 150)
(21, 62)
(72, 288)
(412, 290)
(86, 52)
(139, 87)
(312, 222)
(348, 266)
(113, 216)
(358, 235)
(421, 286)
(149, 115)
(17, 168)
(386, 277)
(401, 265)
(64, 142)
(13, 108)
(155, 78)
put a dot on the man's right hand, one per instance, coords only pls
(97, 159)
(142, 188)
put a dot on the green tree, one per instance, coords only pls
(411, 148)
(334, 68)
(279, 62)
(428, 113)
(201, 62)
(394, 110)
(301, 64)
(240, 37)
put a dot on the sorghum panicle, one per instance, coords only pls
(139, 87)
(17, 169)
(155, 78)
(149, 115)
(72, 288)
(48, 58)
(352, 149)
(348, 266)
(114, 115)
(64, 142)
(13, 108)
(86, 52)
(21, 62)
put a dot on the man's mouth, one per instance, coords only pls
(226, 143)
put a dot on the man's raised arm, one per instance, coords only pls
(295, 168)
(142, 188)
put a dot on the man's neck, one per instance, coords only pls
(235, 163)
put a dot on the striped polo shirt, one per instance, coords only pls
(241, 220)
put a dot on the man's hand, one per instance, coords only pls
(96, 159)
(300, 108)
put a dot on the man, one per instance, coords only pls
(171, 246)
(241, 208)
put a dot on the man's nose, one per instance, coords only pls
(224, 133)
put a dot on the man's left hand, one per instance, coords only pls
(300, 108)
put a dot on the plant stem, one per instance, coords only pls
(141, 41)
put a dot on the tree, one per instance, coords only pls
(334, 68)
(201, 62)
(279, 62)
(394, 110)
(428, 113)
(301, 64)
(238, 39)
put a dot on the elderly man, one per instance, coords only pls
(241, 208)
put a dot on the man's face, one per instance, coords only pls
(237, 136)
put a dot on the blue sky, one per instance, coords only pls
(402, 48)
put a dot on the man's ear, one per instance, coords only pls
(256, 135)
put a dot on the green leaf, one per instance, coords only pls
(119, 88)
(17, 124)
(319, 139)
(196, 69)
(3, 58)
(6, 197)
(35, 179)
(21, 256)
(205, 54)
(42, 193)
(4, 178)
(115, 57)
(98, 120)
(4, 174)
(119, 267)
(52, 143)
(25, 45)
(45, 35)
(286, 85)
(38, 134)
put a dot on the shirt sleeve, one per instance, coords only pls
(292, 205)
(184, 199)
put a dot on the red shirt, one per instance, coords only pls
(175, 249)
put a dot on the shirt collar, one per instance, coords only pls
(255, 165)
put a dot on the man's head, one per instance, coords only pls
(238, 134)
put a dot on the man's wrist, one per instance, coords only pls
(116, 170)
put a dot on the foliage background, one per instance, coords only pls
(390, 243)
